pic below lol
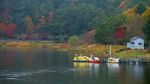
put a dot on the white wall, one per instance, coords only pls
(136, 44)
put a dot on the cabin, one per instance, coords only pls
(136, 43)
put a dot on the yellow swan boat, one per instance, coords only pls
(81, 58)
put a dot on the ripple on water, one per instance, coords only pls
(18, 75)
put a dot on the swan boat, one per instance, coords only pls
(86, 59)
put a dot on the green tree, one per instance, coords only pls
(74, 41)
(134, 27)
(140, 8)
(146, 14)
(106, 27)
(146, 31)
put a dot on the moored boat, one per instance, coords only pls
(81, 58)
(94, 59)
(86, 59)
(113, 60)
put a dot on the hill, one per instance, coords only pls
(60, 19)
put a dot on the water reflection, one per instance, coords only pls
(87, 69)
(81, 65)
(44, 66)
(136, 72)
(113, 68)
(94, 69)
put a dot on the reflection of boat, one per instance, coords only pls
(112, 59)
(113, 67)
(94, 59)
(80, 65)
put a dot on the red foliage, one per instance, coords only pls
(29, 37)
(119, 32)
(122, 4)
(88, 36)
(8, 29)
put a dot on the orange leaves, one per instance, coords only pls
(42, 20)
(28, 19)
(30, 24)
(146, 13)
(130, 13)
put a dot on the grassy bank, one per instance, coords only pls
(85, 49)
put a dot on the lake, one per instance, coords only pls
(49, 66)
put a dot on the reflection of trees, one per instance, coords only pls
(6, 59)
(126, 74)
(147, 74)
(26, 57)
(131, 74)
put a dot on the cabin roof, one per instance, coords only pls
(134, 38)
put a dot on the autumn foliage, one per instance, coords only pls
(122, 4)
(130, 13)
(119, 32)
(30, 25)
(8, 29)
(146, 14)
(89, 36)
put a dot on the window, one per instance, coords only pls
(132, 42)
(139, 43)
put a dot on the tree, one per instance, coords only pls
(140, 8)
(7, 29)
(42, 20)
(10, 30)
(122, 4)
(146, 14)
(134, 27)
(68, 17)
(88, 36)
(30, 25)
(129, 13)
(146, 31)
(105, 29)
(50, 17)
(119, 34)
(74, 42)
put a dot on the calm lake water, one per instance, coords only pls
(47, 66)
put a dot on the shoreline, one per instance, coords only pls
(98, 50)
